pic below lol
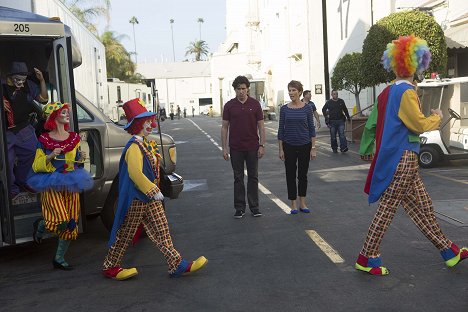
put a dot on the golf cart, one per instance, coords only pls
(450, 142)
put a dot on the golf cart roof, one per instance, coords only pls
(428, 83)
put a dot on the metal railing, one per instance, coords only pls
(349, 129)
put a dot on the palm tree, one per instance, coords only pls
(86, 15)
(198, 48)
(134, 21)
(118, 61)
(171, 21)
(200, 21)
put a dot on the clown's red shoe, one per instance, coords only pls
(185, 267)
(120, 274)
(454, 255)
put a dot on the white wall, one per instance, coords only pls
(91, 76)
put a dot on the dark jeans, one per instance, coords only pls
(299, 155)
(237, 161)
(337, 125)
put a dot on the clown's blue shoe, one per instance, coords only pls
(186, 267)
(371, 265)
(454, 255)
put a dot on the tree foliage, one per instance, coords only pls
(198, 49)
(348, 75)
(88, 13)
(118, 61)
(390, 28)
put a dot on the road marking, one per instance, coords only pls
(347, 168)
(331, 253)
(446, 178)
(328, 250)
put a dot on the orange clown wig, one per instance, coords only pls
(406, 55)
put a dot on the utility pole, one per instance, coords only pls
(134, 21)
(172, 33)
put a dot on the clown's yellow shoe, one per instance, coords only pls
(120, 274)
(196, 265)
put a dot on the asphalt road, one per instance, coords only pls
(271, 263)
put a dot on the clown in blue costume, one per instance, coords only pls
(140, 201)
(394, 125)
(60, 177)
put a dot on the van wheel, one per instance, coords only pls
(428, 157)
(110, 206)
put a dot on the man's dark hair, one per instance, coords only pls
(305, 92)
(240, 80)
(333, 90)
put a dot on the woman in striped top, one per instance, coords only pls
(296, 140)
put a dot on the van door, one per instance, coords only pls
(65, 88)
(7, 223)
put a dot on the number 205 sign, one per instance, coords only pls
(32, 29)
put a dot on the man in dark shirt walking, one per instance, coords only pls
(243, 119)
(336, 112)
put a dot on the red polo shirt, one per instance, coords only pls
(243, 119)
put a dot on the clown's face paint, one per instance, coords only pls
(148, 127)
(63, 117)
(18, 80)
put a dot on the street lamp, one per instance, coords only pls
(221, 95)
(134, 21)
(171, 21)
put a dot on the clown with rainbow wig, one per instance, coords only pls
(60, 177)
(391, 140)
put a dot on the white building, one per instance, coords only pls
(276, 41)
(184, 84)
(90, 77)
(120, 92)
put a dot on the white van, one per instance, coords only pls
(450, 142)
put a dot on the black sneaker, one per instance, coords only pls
(335, 151)
(256, 213)
(239, 214)
(344, 150)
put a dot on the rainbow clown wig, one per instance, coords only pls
(406, 55)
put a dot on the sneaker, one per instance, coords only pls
(335, 151)
(256, 213)
(239, 214)
(344, 150)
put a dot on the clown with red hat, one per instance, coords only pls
(140, 200)
(60, 176)
(391, 140)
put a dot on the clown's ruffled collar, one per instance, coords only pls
(66, 145)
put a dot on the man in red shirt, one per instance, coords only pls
(243, 120)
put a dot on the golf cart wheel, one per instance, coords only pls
(428, 157)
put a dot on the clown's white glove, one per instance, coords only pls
(158, 196)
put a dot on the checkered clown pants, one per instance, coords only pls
(154, 221)
(408, 190)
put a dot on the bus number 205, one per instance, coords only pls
(21, 27)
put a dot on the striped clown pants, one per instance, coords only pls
(59, 207)
(408, 190)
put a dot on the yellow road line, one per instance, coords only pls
(328, 250)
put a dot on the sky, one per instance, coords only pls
(153, 33)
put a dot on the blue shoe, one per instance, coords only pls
(294, 211)
(304, 210)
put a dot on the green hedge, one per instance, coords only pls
(400, 24)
